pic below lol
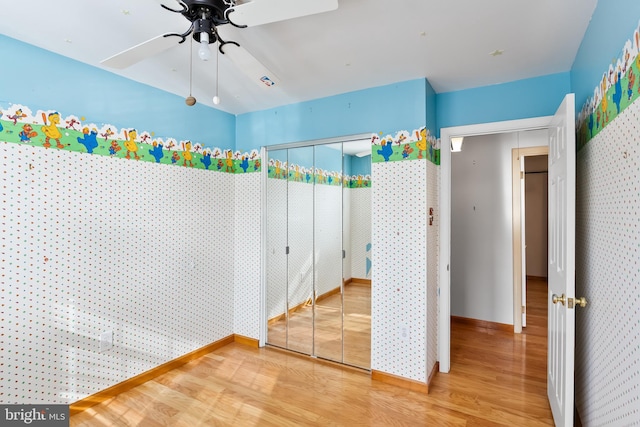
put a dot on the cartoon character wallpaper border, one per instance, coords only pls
(310, 175)
(416, 145)
(49, 129)
(619, 87)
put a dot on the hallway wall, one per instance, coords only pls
(481, 225)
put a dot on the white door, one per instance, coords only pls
(561, 327)
(523, 234)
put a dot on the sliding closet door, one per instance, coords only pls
(276, 268)
(318, 252)
(357, 269)
(300, 266)
(328, 252)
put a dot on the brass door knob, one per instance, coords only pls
(582, 302)
(556, 299)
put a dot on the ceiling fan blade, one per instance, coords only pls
(250, 66)
(139, 52)
(258, 12)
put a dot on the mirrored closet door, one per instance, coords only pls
(357, 262)
(328, 252)
(318, 251)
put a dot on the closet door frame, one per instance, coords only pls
(263, 233)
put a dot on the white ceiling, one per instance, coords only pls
(362, 44)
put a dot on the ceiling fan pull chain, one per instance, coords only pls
(190, 100)
(216, 97)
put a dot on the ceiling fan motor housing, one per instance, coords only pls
(210, 10)
(203, 26)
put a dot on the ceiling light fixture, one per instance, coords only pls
(203, 51)
(456, 144)
(201, 31)
(496, 52)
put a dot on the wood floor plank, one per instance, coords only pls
(496, 379)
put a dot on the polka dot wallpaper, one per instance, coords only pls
(92, 244)
(247, 255)
(300, 241)
(360, 232)
(276, 258)
(608, 274)
(327, 237)
(399, 276)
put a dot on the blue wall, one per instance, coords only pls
(360, 165)
(612, 24)
(43, 80)
(325, 158)
(535, 97)
(431, 106)
(386, 109)
(319, 156)
(40, 79)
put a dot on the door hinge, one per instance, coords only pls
(524, 309)
(521, 174)
(344, 254)
(286, 250)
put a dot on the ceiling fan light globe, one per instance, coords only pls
(203, 52)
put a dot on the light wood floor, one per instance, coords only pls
(353, 346)
(497, 379)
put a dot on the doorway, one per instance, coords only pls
(530, 231)
(318, 239)
(444, 330)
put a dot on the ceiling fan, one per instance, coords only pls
(206, 16)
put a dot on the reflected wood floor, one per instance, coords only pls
(496, 379)
(329, 336)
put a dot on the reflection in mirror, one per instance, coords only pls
(328, 252)
(318, 243)
(357, 246)
(300, 266)
(276, 258)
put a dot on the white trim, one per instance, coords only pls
(444, 290)
(263, 244)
